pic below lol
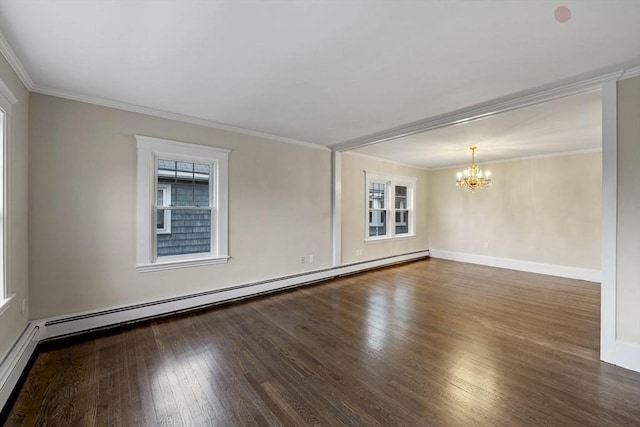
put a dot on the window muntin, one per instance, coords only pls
(182, 189)
(390, 205)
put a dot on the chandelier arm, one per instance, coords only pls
(472, 178)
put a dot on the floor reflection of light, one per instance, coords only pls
(402, 307)
(387, 317)
(473, 385)
(377, 314)
(184, 382)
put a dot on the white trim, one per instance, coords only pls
(172, 116)
(627, 355)
(573, 86)
(12, 366)
(336, 204)
(15, 63)
(184, 175)
(4, 241)
(149, 149)
(520, 265)
(629, 73)
(608, 316)
(181, 147)
(180, 263)
(390, 183)
(6, 303)
(7, 99)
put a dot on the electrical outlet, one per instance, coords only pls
(486, 244)
(302, 260)
(358, 252)
(310, 259)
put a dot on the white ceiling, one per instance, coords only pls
(569, 124)
(323, 72)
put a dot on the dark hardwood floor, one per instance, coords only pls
(428, 343)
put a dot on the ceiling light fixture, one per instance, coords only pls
(472, 178)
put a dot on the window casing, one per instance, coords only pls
(7, 99)
(4, 292)
(182, 204)
(390, 204)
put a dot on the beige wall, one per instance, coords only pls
(554, 219)
(82, 212)
(628, 239)
(353, 209)
(13, 320)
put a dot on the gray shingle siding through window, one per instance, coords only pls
(190, 230)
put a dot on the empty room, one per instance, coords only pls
(300, 212)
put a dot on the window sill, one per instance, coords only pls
(5, 303)
(170, 265)
(387, 239)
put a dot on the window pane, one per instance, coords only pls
(377, 223)
(190, 182)
(401, 197)
(377, 195)
(190, 233)
(402, 222)
(162, 215)
(160, 222)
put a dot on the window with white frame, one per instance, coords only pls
(390, 207)
(182, 204)
(3, 290)
(7, 99)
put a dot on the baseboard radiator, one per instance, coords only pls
(13, 365)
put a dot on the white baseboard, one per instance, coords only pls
(16, 361)
(626, 355)
(515, 264)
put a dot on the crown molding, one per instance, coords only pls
(15, 63)
(171, 116)
(630, 72)
(523, 158)
(561, 89)
(19, 69)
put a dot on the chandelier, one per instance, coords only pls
(472, 178)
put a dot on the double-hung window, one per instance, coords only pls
(390, 207)
(182, 204)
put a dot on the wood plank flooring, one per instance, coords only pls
(427, 343)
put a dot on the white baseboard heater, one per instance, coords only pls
(37, 331)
